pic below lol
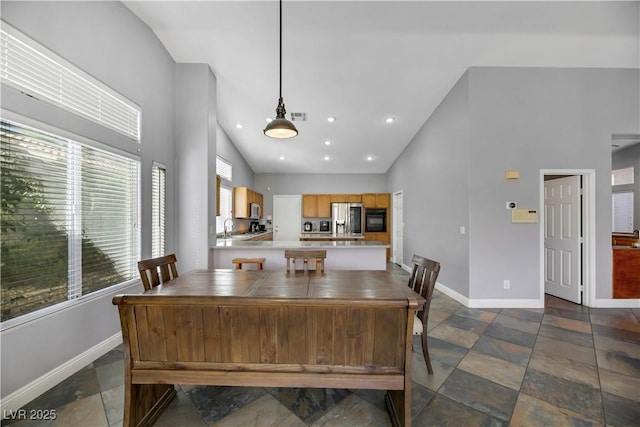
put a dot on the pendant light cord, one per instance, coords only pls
(280, 50)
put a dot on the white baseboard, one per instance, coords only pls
(618, 303)
(35, 388)
(489, 303)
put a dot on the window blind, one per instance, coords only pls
(622, 212)
(69, 220)
(36, 71)
(223, 168)
(225, 208)
(158, 209)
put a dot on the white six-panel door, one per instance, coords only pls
(562, 240)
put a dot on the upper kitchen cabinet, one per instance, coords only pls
(338, 198)
(218, 184)
(353, 198)
(242, 198)
(316, 205)
(376, 200)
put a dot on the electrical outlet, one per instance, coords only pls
(507, 284)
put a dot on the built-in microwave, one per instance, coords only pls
(375, 220)
(255, 211)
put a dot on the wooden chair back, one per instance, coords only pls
(149, 268)
(305, 255)
(423, 281)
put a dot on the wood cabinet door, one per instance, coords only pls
(218, 184)
(309, 205)
(240, 202)
(338, 198)
(369, 200)
(353, 198)
(323, 206)
(382, 200)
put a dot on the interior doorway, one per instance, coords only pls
(287, 222)
(398, 227)
(567, 234)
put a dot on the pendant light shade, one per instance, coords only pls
(280, 127)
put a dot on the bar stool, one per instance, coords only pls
(239, 261)
(319, 256)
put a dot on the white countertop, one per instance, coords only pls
(331, 236)
(269, 244)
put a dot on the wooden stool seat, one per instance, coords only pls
(239, 261)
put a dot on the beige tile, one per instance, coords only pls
(353, 411)
(497, 370)
(420, 375)
(517, 324)
(611, 344)
(618, 362)
(180, 412)
(620, 385)
(562, 367)
(84, 412)
(564, 323)
(454, 335)
(263, 412)
(564, 349)
(530, 411)
(622, 320)
(114, 403)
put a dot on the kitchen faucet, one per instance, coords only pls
(224, 226)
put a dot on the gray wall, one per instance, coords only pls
(630, 157)
(107, 41)
(310, 183)
(196, 138)
(525, 119)
(433, 173)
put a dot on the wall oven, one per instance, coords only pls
(375, 220)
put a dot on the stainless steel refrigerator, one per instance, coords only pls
(346, 218)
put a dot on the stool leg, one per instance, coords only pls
(238, 266)
(259, 266)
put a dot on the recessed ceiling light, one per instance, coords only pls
(327, 142)
(281, 157)
(389, 120)
(327, 157)
(331, 119)
(370, 158)
(239, 126)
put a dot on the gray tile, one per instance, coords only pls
(214, 403)
(532, 314)
(619, 411)
(445, 412)
(625, 335)
(568, 314)
(83, 383)
(566, 394)
(517, 324)
(619, 362)
(503, 350)
(309, 404)
(420, 396)
(466, 323)
(445, 352)
(481, 394)
(579, 338)
(511, 335)
(110, 375)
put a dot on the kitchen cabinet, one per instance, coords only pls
(309, 205)
(353, 198)
(376, 200)
(316, 205)
(338, 198)
(218, 184)
(626, 264)
(242, 197)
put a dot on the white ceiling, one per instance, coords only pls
(362, 61)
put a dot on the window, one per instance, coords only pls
(69, 219)
(223, 168)
(622, 181)
(158, 208)
(225, 209)
(36, 71)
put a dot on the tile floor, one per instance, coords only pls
(564, 365)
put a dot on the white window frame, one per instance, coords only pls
(158, 209)
(74, 296)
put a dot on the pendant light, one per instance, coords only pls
(280, 127)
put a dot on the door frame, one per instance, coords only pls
(588, 228)
(394, 237)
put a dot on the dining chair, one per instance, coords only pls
(423, 281)
(305, 255)
(148, 269)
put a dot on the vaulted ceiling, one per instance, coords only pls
(364, 61)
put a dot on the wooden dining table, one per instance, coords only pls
(338, 329)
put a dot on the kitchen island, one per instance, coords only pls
(341, 255)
